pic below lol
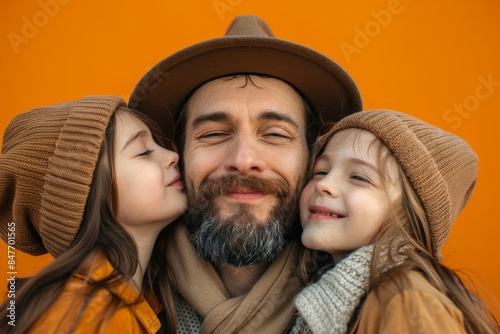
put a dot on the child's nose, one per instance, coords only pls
(328, 186)
(170, 158)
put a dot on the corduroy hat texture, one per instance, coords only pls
(248, 46)
(48, 159)
(441, 166)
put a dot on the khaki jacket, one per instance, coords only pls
(419, 309)
(407, 304)
(60, 317)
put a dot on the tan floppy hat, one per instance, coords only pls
(441, 166)
(48, 159)
(248, 46)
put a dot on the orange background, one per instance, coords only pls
(421, 57)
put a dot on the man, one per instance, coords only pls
(243, 110)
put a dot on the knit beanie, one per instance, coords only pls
(48, 159)
(441, 166)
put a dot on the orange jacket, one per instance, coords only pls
(68, 314)
(419, 309)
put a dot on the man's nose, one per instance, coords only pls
(245, 157)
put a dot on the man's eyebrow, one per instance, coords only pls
(141, 133)
(278, 116)
(216, 116)
(219, 116)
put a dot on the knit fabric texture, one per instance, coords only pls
(441, 166)
(328, 305)
(48, 159)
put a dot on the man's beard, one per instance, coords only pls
(240, 239)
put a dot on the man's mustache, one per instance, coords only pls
(223, 185)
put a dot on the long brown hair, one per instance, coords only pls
(100, 233)
(405, 234)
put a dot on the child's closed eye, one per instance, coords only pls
(145, 153)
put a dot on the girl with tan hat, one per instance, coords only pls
(384, 191)
(87, 182)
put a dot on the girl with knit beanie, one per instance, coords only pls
(87, 182)
(384, 191)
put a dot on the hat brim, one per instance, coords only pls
(327, 87)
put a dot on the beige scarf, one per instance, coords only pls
(267, 308)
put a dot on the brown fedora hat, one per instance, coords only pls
(248, 46)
